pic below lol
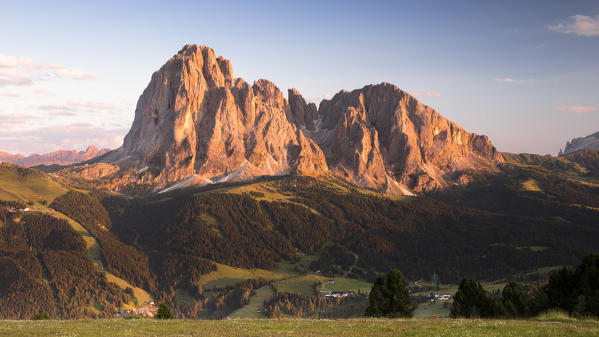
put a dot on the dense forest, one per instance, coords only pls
(454, 236)
(43, 268)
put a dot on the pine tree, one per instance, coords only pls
(164, 312)
(390, 297)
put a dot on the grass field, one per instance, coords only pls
(256, 304)
(28, 185)
(297, 327)
(229, 276)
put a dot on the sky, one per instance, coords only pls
(524, 73)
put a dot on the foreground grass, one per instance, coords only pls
(298, 327)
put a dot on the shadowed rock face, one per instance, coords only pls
(588, 142)
(196, 119)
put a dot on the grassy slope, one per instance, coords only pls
(229, 276)
(298, 327)
(256, 303)
(21, 184)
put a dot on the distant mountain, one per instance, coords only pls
(60, 157)
(195, 122)
(588, 142)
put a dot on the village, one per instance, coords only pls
(148, 310)
(328, 294)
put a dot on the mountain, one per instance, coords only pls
(60, 157)
(196, 122)
(260, 201)
(588, 142)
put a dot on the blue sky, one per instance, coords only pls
(525, 73)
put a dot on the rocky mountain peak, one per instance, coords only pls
(194, 118)
(196, 122)
(577, 144)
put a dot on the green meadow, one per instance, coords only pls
(298, 327)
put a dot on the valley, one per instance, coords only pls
(213, 254)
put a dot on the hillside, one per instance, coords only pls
(225, 248)
(27, 185)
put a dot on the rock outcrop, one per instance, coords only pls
(196, 123)
(60, 157)
(380, 134)
(577, 144)
(195, 118)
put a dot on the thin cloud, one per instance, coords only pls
(52, 138)
(10, 76)
(75, 74)
(10, 94)
(16, 70)
(578, 109)
(44, 92)
(426, 93)
(579, 25)
(74, 107)
(91, 105)
(513, 80)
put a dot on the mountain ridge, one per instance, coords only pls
(589, 142)
(195, 119)
(59, 157)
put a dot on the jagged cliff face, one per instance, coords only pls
(196, 124)
(380, 135)
(195, 118)
(577, 144)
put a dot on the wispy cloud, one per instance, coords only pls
(578, 109)
(75, 74)
(10, 94)
(52, 138)
(74, 107)
(514, 80)
(426, 93)
(91, 105)
(16, 70)
(44, 92)
(578, 24)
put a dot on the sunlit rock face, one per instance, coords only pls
(195, 121)
(195, 118)
(380, 134)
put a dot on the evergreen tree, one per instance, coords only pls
(164, 312)
(514, 301)
(471, 300)
(390, 297)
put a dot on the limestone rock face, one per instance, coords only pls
(588, 142)
(380, 134)
(197, 124)
(195, 118)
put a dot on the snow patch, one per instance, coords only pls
(193, 180)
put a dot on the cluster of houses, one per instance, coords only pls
(435, 297)
(148, 310)
(26, 209)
